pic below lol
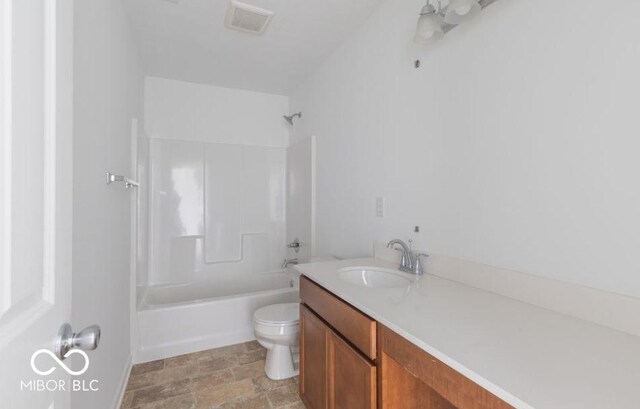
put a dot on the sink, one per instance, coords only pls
(374, 277)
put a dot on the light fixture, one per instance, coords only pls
(433, 23)
(459, 11)
(429, 27)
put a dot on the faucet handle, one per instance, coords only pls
(417, 268)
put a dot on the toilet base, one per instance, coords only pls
(280, 363)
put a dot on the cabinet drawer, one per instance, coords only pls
(353, 325)
(410, 378)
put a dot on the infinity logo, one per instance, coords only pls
(59, 362)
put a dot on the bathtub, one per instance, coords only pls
(180, 319)
(199, 291)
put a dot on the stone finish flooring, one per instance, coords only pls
(230, 377)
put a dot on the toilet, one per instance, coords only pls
(277, 328)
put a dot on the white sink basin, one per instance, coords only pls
(374, 277)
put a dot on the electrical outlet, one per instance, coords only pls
(379, 206)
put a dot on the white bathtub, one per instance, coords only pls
(180, 319)
(199, 291)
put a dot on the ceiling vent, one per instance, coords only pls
(247, 18)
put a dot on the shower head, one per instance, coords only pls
(289, 118)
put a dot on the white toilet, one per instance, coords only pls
(277, 328)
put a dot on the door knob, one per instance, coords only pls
(87, 339)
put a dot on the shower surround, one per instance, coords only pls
(217, 240)
(212, 231)
(215, 208)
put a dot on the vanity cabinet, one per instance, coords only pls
(410, 378)
(350, 361)
(334, 372)
(353, 325)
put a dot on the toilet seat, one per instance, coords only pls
(280, 315)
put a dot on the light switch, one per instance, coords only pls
(379, 206)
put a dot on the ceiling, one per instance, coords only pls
(187, 40)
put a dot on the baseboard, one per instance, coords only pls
(124, 380)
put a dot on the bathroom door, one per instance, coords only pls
(36, 85)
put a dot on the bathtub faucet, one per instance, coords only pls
(288, 261)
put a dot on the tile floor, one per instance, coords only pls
(231, 377)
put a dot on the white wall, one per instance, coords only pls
(195, 112)
(515, 144)
(108, 93)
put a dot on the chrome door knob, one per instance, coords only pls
(87, 339)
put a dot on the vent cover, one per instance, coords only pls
(247, 18)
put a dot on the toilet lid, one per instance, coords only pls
(278, 314)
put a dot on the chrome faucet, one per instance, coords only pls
(410, 261)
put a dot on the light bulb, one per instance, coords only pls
(460, 11)
(429, 28)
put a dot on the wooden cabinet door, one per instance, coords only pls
(351, 378)
(313, 360)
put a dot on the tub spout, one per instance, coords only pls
(288, 261)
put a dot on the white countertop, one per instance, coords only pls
(528, 356)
